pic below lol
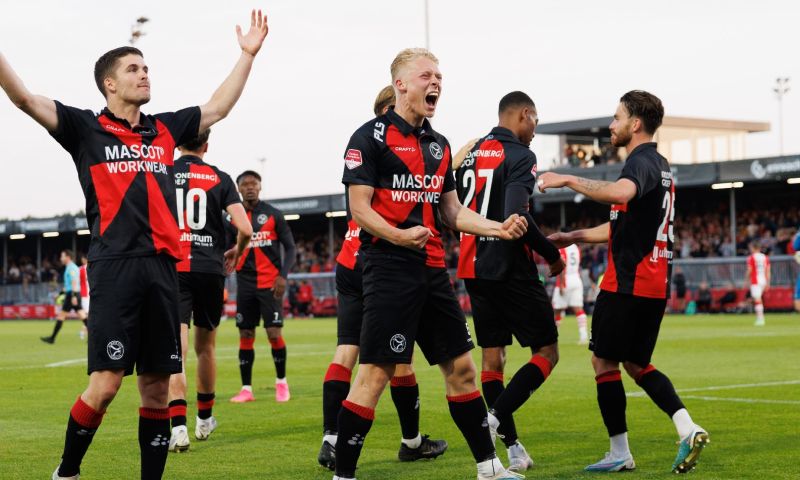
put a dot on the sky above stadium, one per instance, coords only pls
(323, 63)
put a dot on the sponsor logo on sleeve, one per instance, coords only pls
(352, 159)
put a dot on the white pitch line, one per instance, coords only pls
(743, 400)
(74, 361)
(725, 387)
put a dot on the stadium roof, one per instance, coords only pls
(599, 125)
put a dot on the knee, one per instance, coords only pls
(247, 333)
(633, 370)
(550, 353)
(273, 333)
(464, 371)
(346, 356)
(403, 370)
(494, 359)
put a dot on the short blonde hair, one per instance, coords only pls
(407, 56)
(384, 99)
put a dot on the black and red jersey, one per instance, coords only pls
(126, 177)
(409, 168)
(202, 192)
(261, 262)
(641, 237)
(496, 163)
(348, 256)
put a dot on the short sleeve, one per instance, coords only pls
(522, 172)
(183, 125)
(641, 172)
(73, 123)
(230, 195)
(360, 161)
(449, 174)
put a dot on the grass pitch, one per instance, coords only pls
(740, 382)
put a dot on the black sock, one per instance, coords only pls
(246, 359)
(177, 412)
(153, 441)
(612, 402)
(205, 402)
(522, 385)
(660, 390)
(279, 357)
(405, 395)
(57, 328)
(469, 414)
(492, 383)
(81, 427)
(334, 390)
(354, 424)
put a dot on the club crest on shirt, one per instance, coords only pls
(261, 219)
(436, 151)
(352, 159)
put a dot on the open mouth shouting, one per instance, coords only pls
(431, 99)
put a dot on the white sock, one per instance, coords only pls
(490, 468)
(249, 388)
(280, 380)
(619, 445)
(760, 311)
(683, 423)
(414, 442)
(330, 439)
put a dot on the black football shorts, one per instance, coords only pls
(201, 297)
(67, 306)
(520, 308)
(253, 304)
(134, 315)
(350, 299)
(404, 302)
(625, 327)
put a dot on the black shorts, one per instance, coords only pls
(405, 302)
(625, 327)
(201, 297)
(134, 316)
(518, 307)
(67, 306)
(350, 298)
(253, 304)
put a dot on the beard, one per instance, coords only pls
(621, 138)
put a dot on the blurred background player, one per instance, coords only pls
(796, 246)
(568, 292)
(261, 281)
(134, 320)
(758, 274)
(84, 291)
(72, 295)
(496, 179)
(629, 309)
(204, 193)
(404, 388)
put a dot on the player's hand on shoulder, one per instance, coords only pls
(461, 154)
(551, 180)
(251, 41)
(414, 237)
(513, 228)
(557, 267)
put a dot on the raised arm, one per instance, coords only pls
(462, 219)
(620, 192)
(228, 93)
(39, 108)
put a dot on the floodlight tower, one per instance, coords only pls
(781, 89)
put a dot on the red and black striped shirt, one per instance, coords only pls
(261, 262)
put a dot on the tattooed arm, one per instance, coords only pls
(619, 192)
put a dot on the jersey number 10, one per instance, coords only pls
(195, 196)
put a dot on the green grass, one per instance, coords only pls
(758, 437)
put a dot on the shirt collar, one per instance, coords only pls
(406, 128)
(145, 126)
(190, 158)
(643, 146)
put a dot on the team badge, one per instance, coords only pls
(261, 219)
(397, 343)
(352, 159)
(436, 151)
(115, 350)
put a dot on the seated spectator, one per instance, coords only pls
(703, 299)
